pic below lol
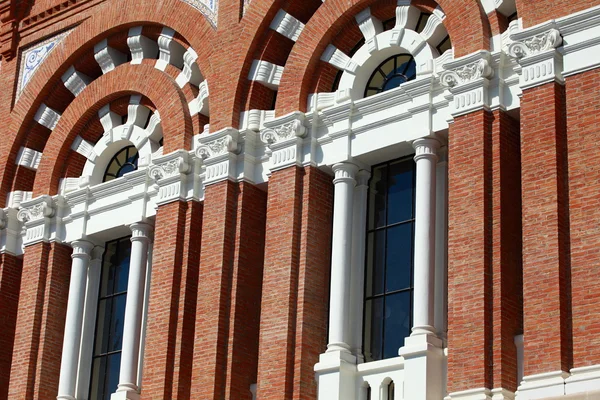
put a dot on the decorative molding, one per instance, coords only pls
(287, 25)
(141, 231)
(284, 138)
(471, 394)
(82, 249)
(140, 46)
(426, 148)
(170, 52)
(255, 119)
(154, 127)
(435, 31)
(208, 8)
(137, 114)
(34, 56)
(37, 215)
(170, 174)
(218, 153)
(212, 146)
(535, 50)
(288, 130)
(47, 117)
(320, 101)
(267, 73)
(466, 73)
(41, 207)
(345, 172)
(29, 158)
(75, 81)
(370, 28)
(85, 148)
(544, 385)
(107, 57)
(339, 59)
(191, 72)
(108, 119)
(17, 197)
(200, 104)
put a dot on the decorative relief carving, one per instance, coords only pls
(284, 132)
(209, 8)
(42, 209)
(29, 158)
(287, 25)
(218, 147)
(47, 117)
(339, 59)
(168, 169)
(466, 73)
(107, 57)
(266, 72)
(75, 81)
(535, 44)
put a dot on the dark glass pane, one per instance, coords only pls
(400, 192)
(399, 259)
(377, 80)
(121, 263)
(103, 325)
(394, 82)
(388, 67)
(411, 70)
(371, 92)
(118, 319)
(97, 381)
(444, 45)
(124, 161)
(377, 198)
(375, 263)
(373, 329)
(397, 322)
(112, 373)
(125, 169)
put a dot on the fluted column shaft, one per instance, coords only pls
(140, 240)
(425, 209)
(74, 319)
(339, 308)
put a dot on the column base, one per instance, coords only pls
(585, 379)
(65, 397)
(544, 385)
(335, 373)
(423, 367)
(471, 394)
(125, 395)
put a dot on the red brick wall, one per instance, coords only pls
(530, 10)
(10, 283)
(546, 258)
(40, 321)
(470, 252)
(172, 302)
(583, 128)
(296, 282)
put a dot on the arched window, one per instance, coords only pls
(126, 160)
(391, 73)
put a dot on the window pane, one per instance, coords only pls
(377, 193)
(373, 329)
(121, 262)
(400, 192)
(107, 283)
(399, 257)
(98, 372)
(118, 319)
(375, 276)
(397, 322)
(103, 325)
(112, 374)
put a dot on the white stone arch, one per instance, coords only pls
(389, 43)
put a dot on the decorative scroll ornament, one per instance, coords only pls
(218, 147)
(168, 169)
(536, 44)
(36, 212)
(467, 73)
(286, 131)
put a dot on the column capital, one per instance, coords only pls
(345, 172)
(97, 253)
(81, 248)
(362, 178)
(140, 231)
(426, 148)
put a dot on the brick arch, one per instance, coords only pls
(126, 79)
(466, 23)
(112, 16)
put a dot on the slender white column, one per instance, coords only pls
(133, 308)
(424, 282)
(74, 319)
(441, 246)
(339, 306)
(89, 322)
(359, 230)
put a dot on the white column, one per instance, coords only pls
(425, 205)
(339, 305)
(359, 230)
(74, 319)
(89, 322)
(130, 354)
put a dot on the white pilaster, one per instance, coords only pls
(89, 322)
(424, 264)
(74, 320)
(359, 230)
(339, 305)
(128, 378)
(441, 245)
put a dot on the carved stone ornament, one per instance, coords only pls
(168, 169)
(37, 211)
(286, 131)
(548, 40)
(467, 73)
(218, 147)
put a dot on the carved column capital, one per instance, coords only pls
(141, 231)
(82, 249)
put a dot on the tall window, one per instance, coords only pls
(126, 160)
(389, 271)
(110, 319)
